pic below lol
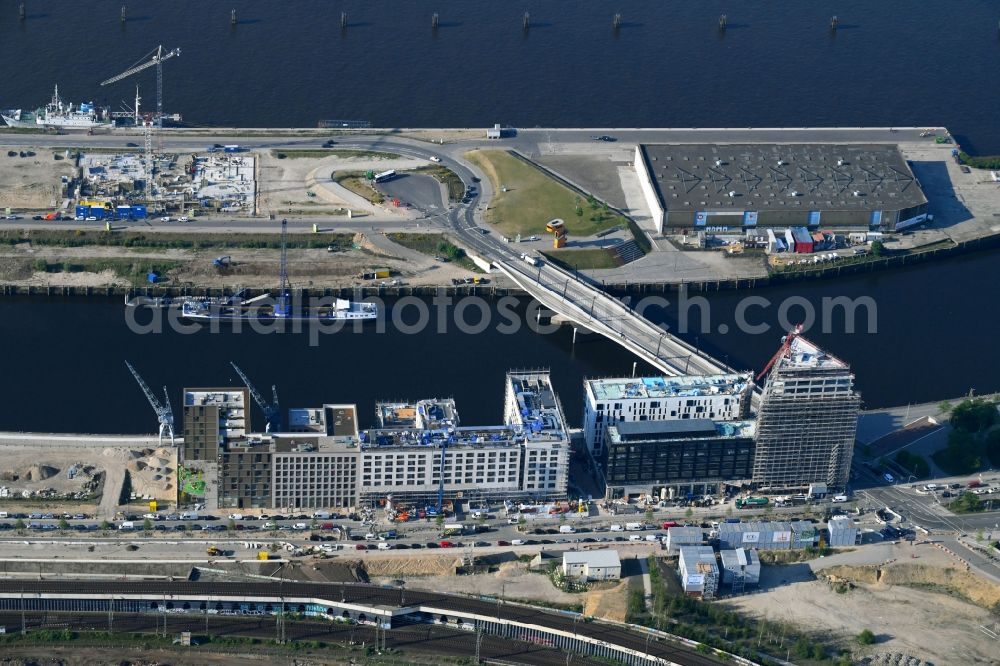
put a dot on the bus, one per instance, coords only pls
(384, 176)
(453, 529)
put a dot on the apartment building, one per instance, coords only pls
(715, 397)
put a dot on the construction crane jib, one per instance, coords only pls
(272, 412)
(164, 412)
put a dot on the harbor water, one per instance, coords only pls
(290, 64)
(64, 359)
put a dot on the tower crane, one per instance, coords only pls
(155, 58)
(164, 412)
(272, 414)
(786, 344)
(281, 307)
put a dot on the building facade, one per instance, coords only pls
(677, 459)
(807, 420)
(590, 565)
(611, 401)
(699, 571)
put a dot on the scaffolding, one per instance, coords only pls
(807, 421)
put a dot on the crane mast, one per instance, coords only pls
(272, 413)
(281, 307)
(164, 412)
(156, 57)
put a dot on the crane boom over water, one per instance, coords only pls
(272, 414)
(164, 412)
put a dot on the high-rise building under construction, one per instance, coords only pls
(807, 419)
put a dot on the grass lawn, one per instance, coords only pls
(356, 182)
(179, 240)
(435, 245)
(584, 259)
(533, 198)
(333, 152)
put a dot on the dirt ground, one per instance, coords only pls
(34, 467)
(255, 268)
(931, 626)
(32, 183)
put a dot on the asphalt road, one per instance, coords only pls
(421, 192)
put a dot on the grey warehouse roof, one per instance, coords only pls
(762, 177)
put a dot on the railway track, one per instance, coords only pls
(367, 595)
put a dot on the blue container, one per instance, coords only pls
(124, 212)
(139, 212)
(82, 211)
(97, 211)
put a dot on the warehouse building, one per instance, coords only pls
(740, 568)
(733, 187)
(807, 419)
(767, 535)
(685, 458)
(678, 537)
(610, 401)
(590, 565)
(699, 572)
(840, 531)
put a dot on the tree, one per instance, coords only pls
(63, 524)
(974, 415)
(866, 637)
(944, 407)
(439, 521)
(105, 526)
(878, 248)
(649, 515)
(689, 512)
(802, 648)
(19, 525)
(147, 525)
(232, 525)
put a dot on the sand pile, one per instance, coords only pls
(40, 473)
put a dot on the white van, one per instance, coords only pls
(635, 537)
(384, 546)
(633, 527)
(566, 529)
(840, 498)
(127, 525)
(300, 526)
(321, 515)
(616, 528)
(517, 542)
(189, 515)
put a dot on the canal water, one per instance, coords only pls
(64, 359)
(289, 64)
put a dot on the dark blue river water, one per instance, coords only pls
(890, 63)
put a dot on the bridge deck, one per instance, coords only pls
(594, 309)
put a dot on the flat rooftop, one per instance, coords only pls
(666, 387)
(680, 428)
(432, 413)
(538, 410)
(805, 355)
(484, 437)
(772, 176)
(228, 397)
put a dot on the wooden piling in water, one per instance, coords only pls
(434, 20)
(723, 22)
(343, 20)
(232, 17)
(616, 22)
(22, 14)
(124, 14)
(834, 22)
(526, 21)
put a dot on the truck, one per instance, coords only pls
(453, 528)
(232, 148)
(530, 259)
(213, 551)
(751, 502)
